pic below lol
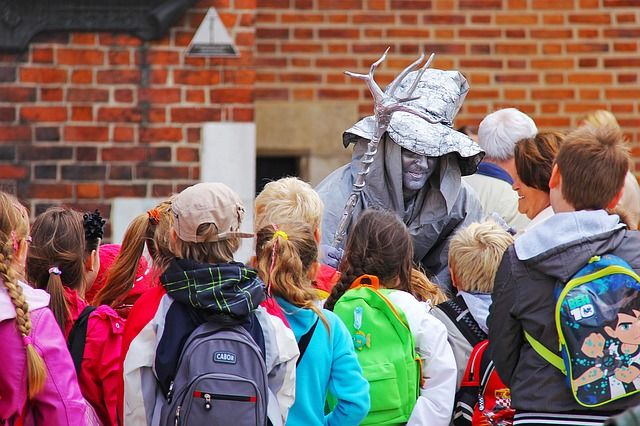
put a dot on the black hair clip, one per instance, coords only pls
(93, 225)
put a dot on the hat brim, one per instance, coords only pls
(424, 138)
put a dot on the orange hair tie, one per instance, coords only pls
(154, 216)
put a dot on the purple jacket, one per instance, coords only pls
(60, 402)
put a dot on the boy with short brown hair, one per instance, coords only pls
(587, 178)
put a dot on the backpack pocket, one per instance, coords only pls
(212, 397)
(383, 387)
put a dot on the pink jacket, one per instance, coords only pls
(60, 402)
(101, 361)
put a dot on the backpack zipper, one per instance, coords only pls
(177, 420)
(473, 365)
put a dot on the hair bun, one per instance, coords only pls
(93, 225)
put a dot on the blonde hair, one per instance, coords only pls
(475, 253)
(14, 227)
(288, 199)
(150, 229)
(285, 257)
(424, 290)
(601, 118)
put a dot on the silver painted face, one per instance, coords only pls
(416, 170)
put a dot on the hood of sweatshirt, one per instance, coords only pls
(565, 242)
(217, 289)
(35, 298)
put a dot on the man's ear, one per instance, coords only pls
(616, 199)
(317, 235)
(90, 261)
(555, 178)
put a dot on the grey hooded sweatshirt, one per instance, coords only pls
(524, 299)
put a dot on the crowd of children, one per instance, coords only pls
(168, 328)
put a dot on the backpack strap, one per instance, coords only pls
(458, 312)
(78, 337)
(546, 354)
(305, 339)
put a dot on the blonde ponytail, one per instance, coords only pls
(285, 255)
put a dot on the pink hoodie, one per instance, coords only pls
(60, 402)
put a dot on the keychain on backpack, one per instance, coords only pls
(360, 339)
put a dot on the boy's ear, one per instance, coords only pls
(316, 235)
(616, 199)
(555, 178)
(454, 280)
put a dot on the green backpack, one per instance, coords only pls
(386, 350)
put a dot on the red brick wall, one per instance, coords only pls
(554, 59)
(85, 117)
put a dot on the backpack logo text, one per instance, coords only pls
(224, 357)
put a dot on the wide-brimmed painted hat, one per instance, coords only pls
(441, 96)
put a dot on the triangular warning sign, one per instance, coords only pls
(212, 38)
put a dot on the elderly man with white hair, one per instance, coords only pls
(497, 136)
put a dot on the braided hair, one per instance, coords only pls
(379, 244)
(14, 229)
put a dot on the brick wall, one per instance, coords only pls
(554, 59)
(85, 117)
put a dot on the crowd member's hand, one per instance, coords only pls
(330, 255)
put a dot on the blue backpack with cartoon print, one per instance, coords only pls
(597, 317)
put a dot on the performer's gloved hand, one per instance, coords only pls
(330, 255)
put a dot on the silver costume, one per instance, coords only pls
(445, 203)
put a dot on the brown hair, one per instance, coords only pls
(475, 252)
(593, 163)
(534, 159)
(220, 251)
(379, 244)
(14, 229)
(150, 229)
(285, 258)
(58, 241)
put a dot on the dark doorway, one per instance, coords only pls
(270, 168)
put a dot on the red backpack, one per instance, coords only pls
(483, 399)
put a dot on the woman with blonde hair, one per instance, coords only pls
(38, 384)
